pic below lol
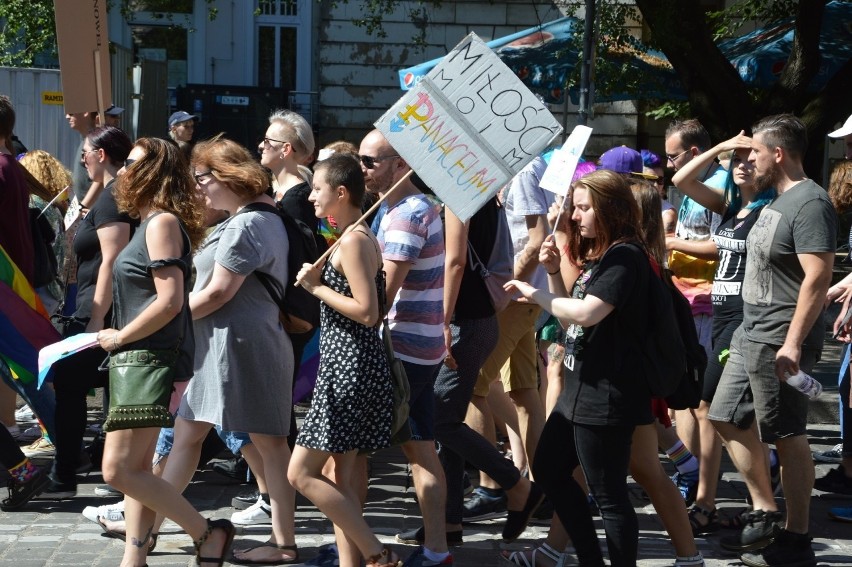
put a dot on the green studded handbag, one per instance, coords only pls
(140, 386)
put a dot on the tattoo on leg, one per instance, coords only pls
(143, 542)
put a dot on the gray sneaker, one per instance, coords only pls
(760, 530)
(833, 455)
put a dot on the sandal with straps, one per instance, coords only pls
(703, 521)
(220, 524)
(521, 558)
(737, 521)
(387, 558)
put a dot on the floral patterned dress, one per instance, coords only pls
(352, 401)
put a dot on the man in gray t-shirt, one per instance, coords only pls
(788, 271)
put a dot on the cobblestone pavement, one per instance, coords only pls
(49, 533)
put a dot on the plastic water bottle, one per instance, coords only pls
(805, 383)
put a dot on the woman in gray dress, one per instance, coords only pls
(244, 358)
(151, 312)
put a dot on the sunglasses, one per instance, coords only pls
(370, 161)
(128, 162)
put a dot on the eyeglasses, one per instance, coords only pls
(84, 152)
(370, 161)
(673, 159)
(267, 142)
(128, 162)
(199, 176)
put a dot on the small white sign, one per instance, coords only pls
(468, 127)
(234, 100)
(563, 163)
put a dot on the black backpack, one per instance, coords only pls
(674, 359)
(46, 267)
(300, 310)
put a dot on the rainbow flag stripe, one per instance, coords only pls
(25, 326)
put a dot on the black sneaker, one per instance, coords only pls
(788, 550)
(759, 530)
(23, 492)
(236, 468)
(245, 499)
(418, 536)
(58, 491)
(835, 481)
(480, 507)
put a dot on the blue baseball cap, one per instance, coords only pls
(180, 116)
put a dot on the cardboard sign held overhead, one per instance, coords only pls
(81, 35)
(468, 127)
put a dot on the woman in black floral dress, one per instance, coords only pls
(351, 408)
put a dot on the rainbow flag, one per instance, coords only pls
(25, 326)
(328, 229)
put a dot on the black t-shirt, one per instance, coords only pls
(474, 301)
(87, 247)
(603, 379)
(730, 239)
(295, 203)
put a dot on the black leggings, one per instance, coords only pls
(73, 378)
(604, 454)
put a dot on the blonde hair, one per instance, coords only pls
(48, 170)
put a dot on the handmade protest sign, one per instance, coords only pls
(560, 170)
(83, 42)
(468, 126)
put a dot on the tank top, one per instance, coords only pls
(134, 290)
(730, 239)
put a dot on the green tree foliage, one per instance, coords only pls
(27, 30)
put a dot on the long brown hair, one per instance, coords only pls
(650, 211)
(616, 216)
(161, 180)
(840, 186)
(233, 165)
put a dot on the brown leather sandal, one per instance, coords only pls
(387, 558)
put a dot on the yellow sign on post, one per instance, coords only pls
(52, 97)
(81, 35)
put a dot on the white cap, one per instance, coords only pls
(843, 131)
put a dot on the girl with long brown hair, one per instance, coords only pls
(605, 396)
(151, 314)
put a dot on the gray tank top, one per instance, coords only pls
(133, 291)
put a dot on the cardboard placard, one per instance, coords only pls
(83, 42)
(557, 177)
(468, 127)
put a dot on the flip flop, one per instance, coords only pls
(109, 532)
(245, 561)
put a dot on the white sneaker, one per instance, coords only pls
(259, 513)
(109, 512)
(39, 448)
(24, 414)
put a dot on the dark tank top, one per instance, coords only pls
(134, 290)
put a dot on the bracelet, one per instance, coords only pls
(115, 341)
(554, 273)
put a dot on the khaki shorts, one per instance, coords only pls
(514, 358)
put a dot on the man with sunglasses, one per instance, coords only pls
(692, 258)
(85, 190)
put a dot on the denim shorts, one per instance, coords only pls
(750, 390)
(421, 417)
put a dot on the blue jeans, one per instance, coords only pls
(421, 417)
